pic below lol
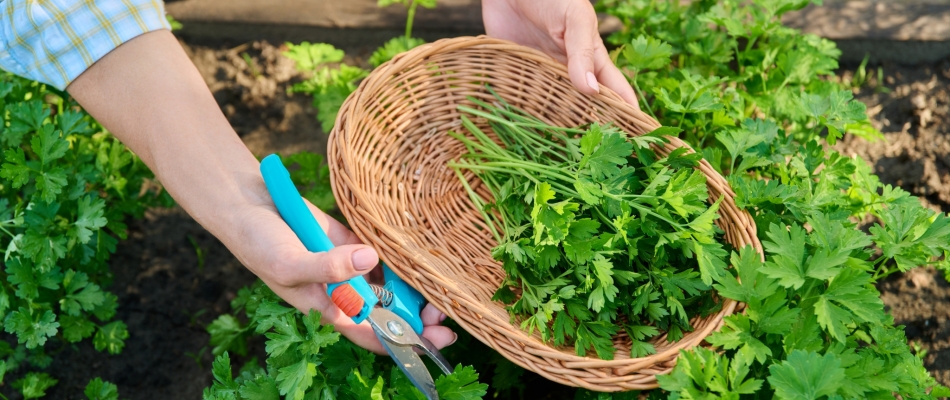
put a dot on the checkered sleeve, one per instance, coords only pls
(54, 41)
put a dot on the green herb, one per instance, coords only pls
(97, 389)
(309, 360)
(330, 86)
(312, 175)
(596, 233)
(393, 47)
(66, 186)
(34, 384)
(754, 97)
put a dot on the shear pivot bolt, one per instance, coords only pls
(395, 328)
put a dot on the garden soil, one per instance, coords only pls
(173, 277)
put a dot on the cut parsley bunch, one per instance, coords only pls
(596, 233)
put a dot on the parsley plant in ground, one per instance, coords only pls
(66, 186)
(306, 359)
(759, 100)
(596, 235)
(331, 80)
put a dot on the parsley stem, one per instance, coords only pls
(492, 117)
(479, 204)
(523, 165)
(640, 96)
(410, 17)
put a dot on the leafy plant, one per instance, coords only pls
(597, 233)
(760, 103)
(66, 186)
(34, 384)
(312, 174)
(331, 81)
(306, 358)
(97, 389)
(757, 99)
(328, 85)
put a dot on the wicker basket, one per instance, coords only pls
(388, 155)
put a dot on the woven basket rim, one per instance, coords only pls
(525, 351)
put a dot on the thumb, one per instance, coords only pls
(337, 265)
(580, 44)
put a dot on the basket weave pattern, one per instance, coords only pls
(388, 154)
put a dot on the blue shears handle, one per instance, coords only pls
(354, 296)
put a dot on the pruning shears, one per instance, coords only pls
(397, 323)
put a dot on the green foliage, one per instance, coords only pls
(34, 385)
(309, 360)
(97, 389)
(757, 99)
(705, 374)
(595, 230)
(331, 80)
(66, 186)
(394, 46)
(312, 176)
(328, 85)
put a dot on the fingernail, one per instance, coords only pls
(453, 340)
(364, 259)
(592, 81)
(442, 317)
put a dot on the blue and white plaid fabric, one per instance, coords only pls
(54, 41)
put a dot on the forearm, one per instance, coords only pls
(150, 96)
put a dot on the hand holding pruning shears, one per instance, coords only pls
(300, 271)
(397, 324)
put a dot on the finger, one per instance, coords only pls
(440, 336)
(580, 44)
(302, 267)
(610, 76)
(431, 315)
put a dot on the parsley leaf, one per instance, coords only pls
(111, 337)
(806, 375)
(646, 52)
(462, 384)
(97, 389)
(34, 384)
(31, 328)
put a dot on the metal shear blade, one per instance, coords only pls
(401, 342)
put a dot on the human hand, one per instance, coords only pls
(275, 254)
(565, 30)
